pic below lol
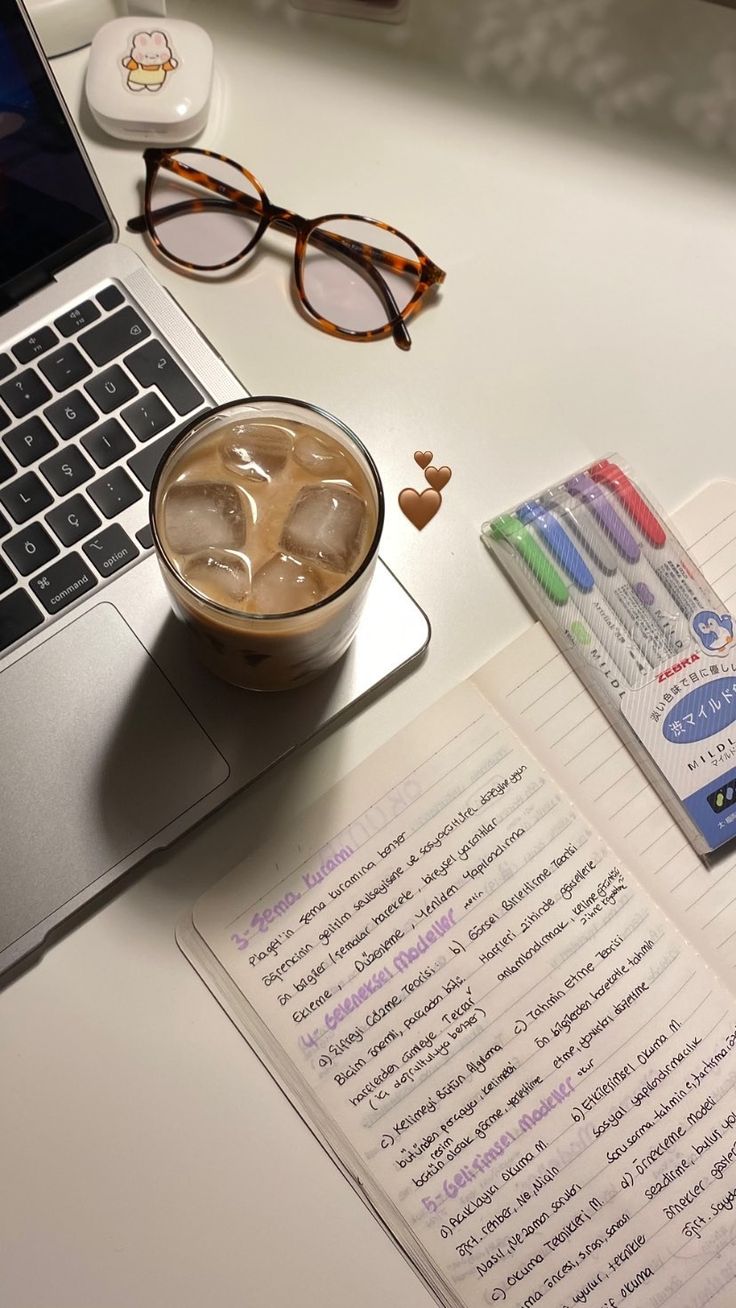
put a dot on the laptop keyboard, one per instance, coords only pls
(89, 402)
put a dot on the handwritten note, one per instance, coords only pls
(525, 1069)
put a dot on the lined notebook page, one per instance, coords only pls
(515, 1057)
(539, 694)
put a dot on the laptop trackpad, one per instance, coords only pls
(98, 755)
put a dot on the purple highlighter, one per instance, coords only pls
(659, 626)
(603, 511)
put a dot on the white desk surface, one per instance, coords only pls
(571, 166)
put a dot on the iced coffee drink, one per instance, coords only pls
(266, 516)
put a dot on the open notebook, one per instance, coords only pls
(497, 985)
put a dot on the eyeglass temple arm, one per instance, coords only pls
(395, 261)
(335, 244)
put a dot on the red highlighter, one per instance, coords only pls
(613, 478)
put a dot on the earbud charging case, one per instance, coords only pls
(150, 79)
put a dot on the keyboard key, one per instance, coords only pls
(152, 365)
(6, 366)
(107, 443)
(30, 441)
(67, 470)
(147, 416)
(24, 393)
(5, 420)
(70, 415)
(110, 297)
(111, 389)
(18, 616)
(7, 578)
(38, 343)
(114, 335)
(114, 492)
(4, 525)
(72, 520)
(63, 583)
(25, 497)
(77, 318)
(145, 462)
(7, 469)
(111, 550)
(65, 367)
(145, 537)
(30, 549)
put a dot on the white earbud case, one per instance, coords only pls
(150, 79)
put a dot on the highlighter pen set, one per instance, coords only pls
(604, 570)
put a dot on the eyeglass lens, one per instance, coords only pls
(348, 282)
(193, 224)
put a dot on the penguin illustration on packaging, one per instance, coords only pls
(714, 631)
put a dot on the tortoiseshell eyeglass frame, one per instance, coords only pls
(365, 256)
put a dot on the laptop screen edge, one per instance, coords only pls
(103, 231)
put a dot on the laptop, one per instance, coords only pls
(113, 741)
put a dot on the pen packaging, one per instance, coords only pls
(603, 568)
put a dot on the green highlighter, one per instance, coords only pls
(509, 529)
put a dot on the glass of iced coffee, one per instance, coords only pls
(266, 515)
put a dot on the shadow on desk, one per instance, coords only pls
(661, 71)
(263, 729)
(156, 769)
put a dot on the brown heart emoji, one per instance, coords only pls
(423, 457)
(419, 508)
(438, 477)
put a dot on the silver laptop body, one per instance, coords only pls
(113, 741)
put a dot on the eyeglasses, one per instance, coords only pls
(356, 277)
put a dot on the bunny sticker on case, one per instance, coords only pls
(149, 62)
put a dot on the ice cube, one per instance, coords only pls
(203, 515)
(256, 450)
(323, 458)
(325, 524)
(284, 585)
(220, 575)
